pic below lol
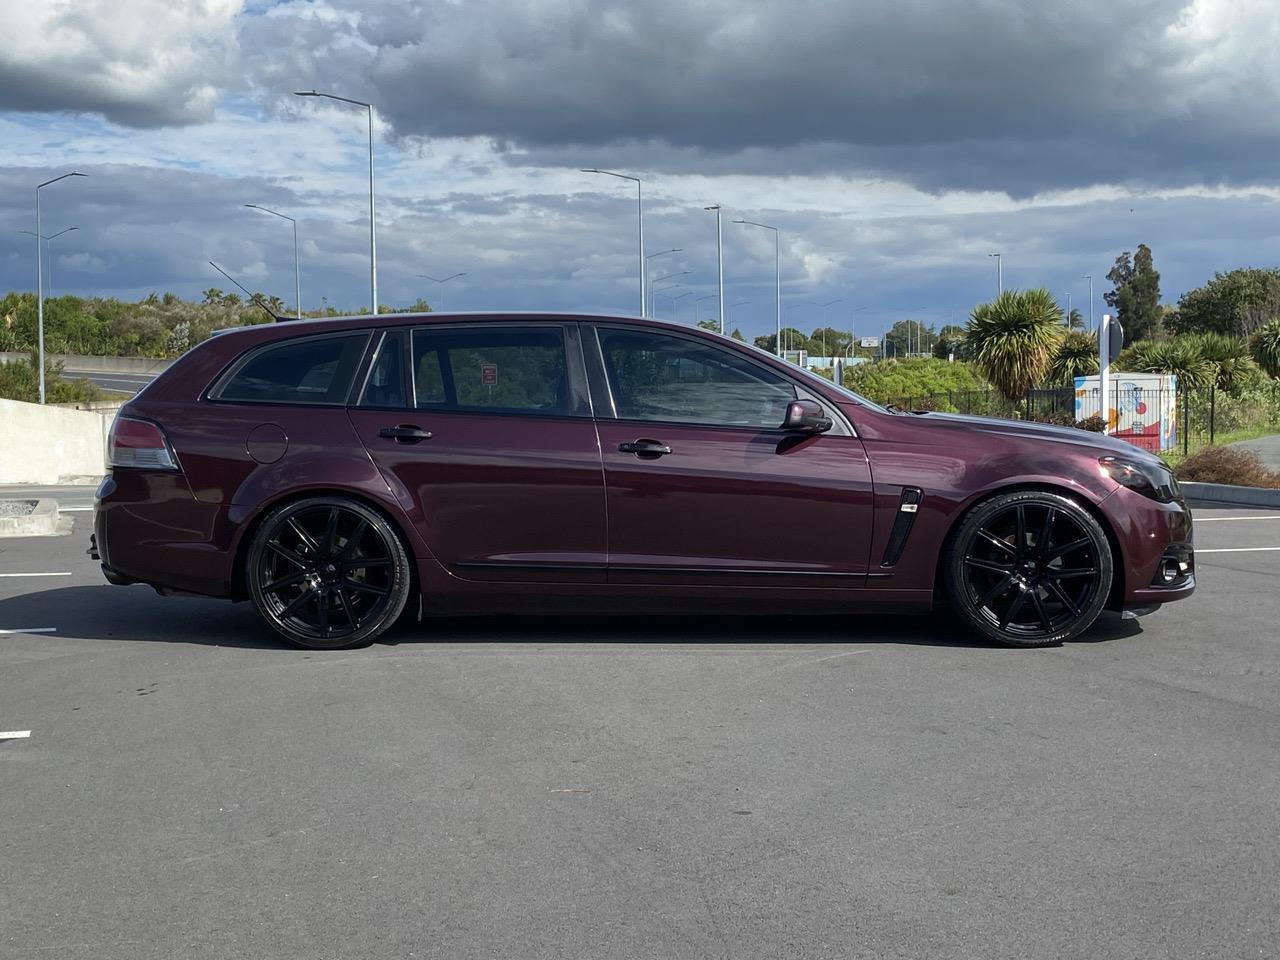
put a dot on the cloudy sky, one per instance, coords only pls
(894, 145)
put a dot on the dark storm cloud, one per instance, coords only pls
(1021, 96)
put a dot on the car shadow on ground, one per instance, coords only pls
(103, 612)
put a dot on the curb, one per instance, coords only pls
(1226, 493)
(40, 522)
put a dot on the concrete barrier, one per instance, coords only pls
(1211, 493)
(47, 445)
(135, 365)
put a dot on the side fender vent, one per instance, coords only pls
(908, 507)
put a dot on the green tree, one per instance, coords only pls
(1075, 320)
(1077, 356)
(1013, 339)
(909, 337)
(1233, 365)
(950, 340)
(830, 341)
(1136, 294)
(1265, 347)
(1235, 303)
(1178, 356)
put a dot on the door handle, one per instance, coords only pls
(405, 433)
(645, 449)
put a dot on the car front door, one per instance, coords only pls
(484, 430)
(702, 484)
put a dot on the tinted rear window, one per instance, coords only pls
(314, 370)
(499, 369)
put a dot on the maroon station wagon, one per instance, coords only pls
(343, 473)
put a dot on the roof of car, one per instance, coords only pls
(288, 327)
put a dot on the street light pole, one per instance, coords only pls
(442, 282)
(719, 262)
(297, 282)
(40, 278)
(48, 244)
(640, 219)
(649, 283)
(999, 273)
(1089, 277)
(777, 284)
(696, 316)
(373, 241)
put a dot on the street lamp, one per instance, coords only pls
(719, 261)
(640, 218)
(40, 277)
(1089, 277)
(49, 248)
(675, 315)
(297, 283)
(823, 306)
(442, 282)
(649, 287)
(709, 296)
(777, 283)
(999, 273)
(373, 242)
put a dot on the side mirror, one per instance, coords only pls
(806, 416)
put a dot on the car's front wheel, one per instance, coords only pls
(328, 572)
(1029, 568)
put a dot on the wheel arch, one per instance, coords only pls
(239, 589)
(1115, 598)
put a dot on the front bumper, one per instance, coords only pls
(1151, 536)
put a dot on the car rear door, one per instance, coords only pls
(484, 431)
(703, 487)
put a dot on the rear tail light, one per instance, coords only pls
(139, 443)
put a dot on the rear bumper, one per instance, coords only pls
(149, 528)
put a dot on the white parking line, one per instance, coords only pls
(60, 574)
(14, 734)
(4, 633)
(1238, 550)
(1221, 519)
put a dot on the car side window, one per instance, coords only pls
(385, 384)
(656, 376)
(314, 370)
(502, 369)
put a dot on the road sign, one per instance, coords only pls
(872, 342)
(1116, 340)
(489, 374)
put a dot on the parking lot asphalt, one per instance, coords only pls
(792, 786)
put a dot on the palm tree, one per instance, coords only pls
(1178, 356)
(1234, 366)
(1013, 339)
(1077, 356)
(1265, 346)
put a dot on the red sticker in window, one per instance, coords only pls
(488, 374)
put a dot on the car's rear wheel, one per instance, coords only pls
(328, 572)
(1029, 568)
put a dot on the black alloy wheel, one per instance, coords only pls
(1029, 569)
(328, 572)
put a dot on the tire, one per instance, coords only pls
(327, 573)
(1039, 594)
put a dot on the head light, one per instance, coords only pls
(1153, 480)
